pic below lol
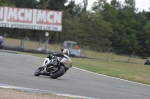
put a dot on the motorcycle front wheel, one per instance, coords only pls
(38, 72)
(57, 72)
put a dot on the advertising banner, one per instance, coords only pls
(30, 19)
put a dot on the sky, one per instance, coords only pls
(140, 4)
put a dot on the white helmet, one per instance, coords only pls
(66, 51)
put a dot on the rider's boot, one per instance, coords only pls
(44, 70)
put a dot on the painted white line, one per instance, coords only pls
(43, 91)
(103, 75)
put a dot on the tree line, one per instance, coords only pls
(117, 26)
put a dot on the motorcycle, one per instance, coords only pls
(55, 67)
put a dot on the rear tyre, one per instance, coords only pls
(58, 72)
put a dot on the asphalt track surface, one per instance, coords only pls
(18, 70)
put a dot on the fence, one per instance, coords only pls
(85, 52)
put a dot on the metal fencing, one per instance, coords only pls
(109, 56)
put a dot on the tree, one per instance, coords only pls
(98, 6)
(57, 5)
(43, 4)
(25, 3)
(74, 9)
(116, 4)
(7, 3)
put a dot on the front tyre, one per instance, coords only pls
(38, 72)
(59, 71)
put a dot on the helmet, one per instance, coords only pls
(66, 51)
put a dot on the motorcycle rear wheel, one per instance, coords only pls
(60, 70)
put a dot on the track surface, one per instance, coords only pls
(17, 70)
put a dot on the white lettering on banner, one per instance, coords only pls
(1, 13)
(20, 14)
(49, 17)
(34, 16)
(12, 14)
(41, 16)
(57, 17)
(29, 15)
(5, 14)
(25, 15)
(30, 19)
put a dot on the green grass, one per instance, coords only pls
(129, 71)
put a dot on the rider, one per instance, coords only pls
(63, 53)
